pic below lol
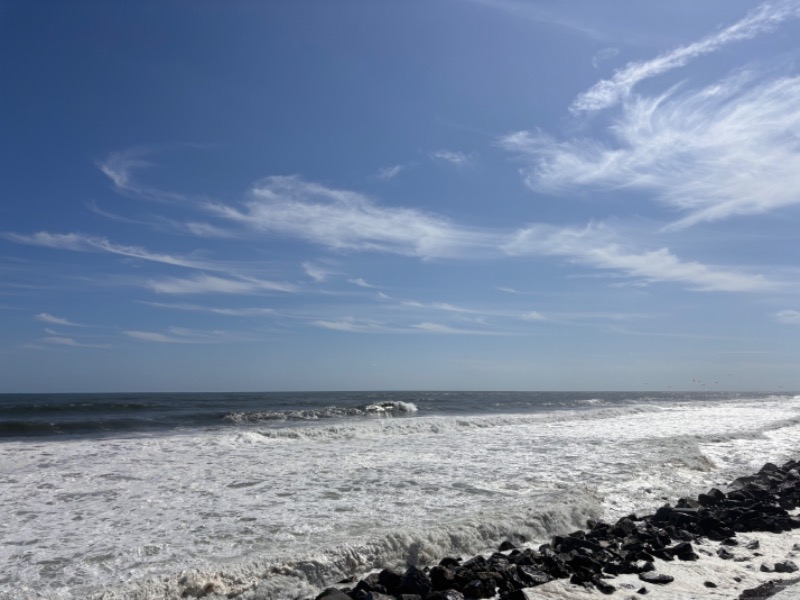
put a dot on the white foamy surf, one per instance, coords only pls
(278, 508)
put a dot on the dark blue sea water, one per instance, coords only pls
(26, 415)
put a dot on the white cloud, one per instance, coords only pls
(730, 149)
(210, 284)
(180, 335)
(61, 341)
(351, 325)
(56, 340)
(86, 243)
(346, 220)
(596, 246)
(120, 166)
(428, 327)
(48, 318)
(316, 272)
(361, 283)
(533, 315)
(611, 91)
(458, 159)
(227, 312)
(388, 173)
(603, 55)
(788, 317)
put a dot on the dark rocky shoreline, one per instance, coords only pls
(594, 557)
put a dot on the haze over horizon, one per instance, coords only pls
(450, 195)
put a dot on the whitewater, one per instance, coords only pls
(280, 495)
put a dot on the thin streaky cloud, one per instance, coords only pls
(351, 325)
(70, 342)
(180, 335)
(609, 92)
(439, 328)
(595, 246)
(458, 159)
(729, 149)
(361, 283)
(86, 243)
(54, 320)
(346, 220)
(211, 284)
(316, 272)
(120, 167)
(788, 317)
(228, 312)
(389, 173)
(533, 12)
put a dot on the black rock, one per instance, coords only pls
(515, 595)
(442, 578)
(604, 586)
(724, 554)
(533, 576)
(730, 542)
(479, 588)
(450, 561)
(754, 545)
(332, 594)
(709, 584)
(642, 591)
(711, 498)
(786, 566)
(658, 579)
(415, 581)
(390, 580)
(506, 545)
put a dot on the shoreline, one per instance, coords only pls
(733, 545)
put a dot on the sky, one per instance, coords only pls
(399, 195)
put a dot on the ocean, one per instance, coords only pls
(277, 495)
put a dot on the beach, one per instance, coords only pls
(282, 496)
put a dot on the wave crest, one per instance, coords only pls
(375, 409)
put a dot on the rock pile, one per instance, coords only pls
(593, 557)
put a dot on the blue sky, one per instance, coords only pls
(475, 194)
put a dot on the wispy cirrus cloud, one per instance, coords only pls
(181, 335)
(440, 328)
(203, 283)
(788, 317)
(253, 311)
(53, 320)
(609, 92)
(317, 272)
(360, 282)
(352, 325)
(389, 173)
(57, 340)
(86, 243)
(346, 220)
(596, 246)
(729, 149)
(455, 158)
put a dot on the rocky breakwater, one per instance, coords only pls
(595, 557)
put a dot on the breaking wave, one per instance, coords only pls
(375, 409)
